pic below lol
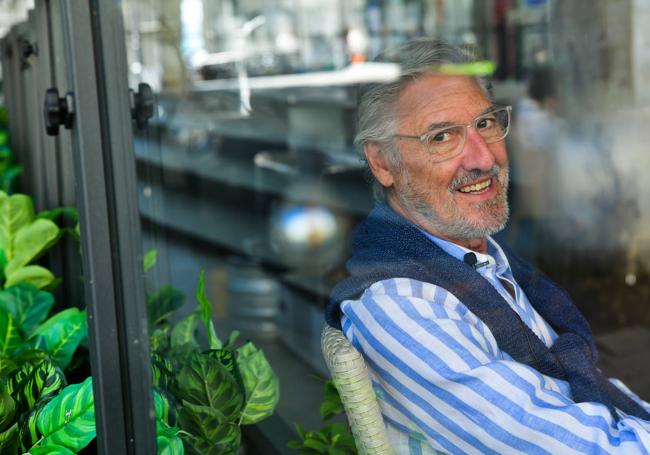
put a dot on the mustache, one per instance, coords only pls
(469, 176)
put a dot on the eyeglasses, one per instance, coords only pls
(447, 142)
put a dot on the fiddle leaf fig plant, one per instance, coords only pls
(23, 238)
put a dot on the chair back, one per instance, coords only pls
(350, 376)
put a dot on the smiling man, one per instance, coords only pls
(469, 348)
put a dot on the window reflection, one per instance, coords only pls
(248, 167)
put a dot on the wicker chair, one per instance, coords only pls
(351, 379)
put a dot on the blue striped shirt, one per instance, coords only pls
(445, 386)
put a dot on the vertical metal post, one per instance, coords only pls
(110, 227)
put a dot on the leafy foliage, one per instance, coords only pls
(23, 238)
(334, 438)
(216, 390)
(68, 420)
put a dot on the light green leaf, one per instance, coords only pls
(69, 419)
(50, 450)
(332, 404)
(150, 258)
(205, 381)
(30, 241)
(28, 305)
(61, 334)
(163, 303)
(260, 382)
(208, 433)
(184, 332)
(31, 384)
(206, 313)
(35, 275)
(9, 335)
(16, 211)
(160, 338)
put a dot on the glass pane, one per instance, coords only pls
(249, 177)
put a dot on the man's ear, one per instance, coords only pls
(378, 164)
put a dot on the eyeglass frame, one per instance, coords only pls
(422, 137)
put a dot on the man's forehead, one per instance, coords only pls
(440, 95)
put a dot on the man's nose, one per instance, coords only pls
(477, 154)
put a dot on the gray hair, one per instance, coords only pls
(376, 119)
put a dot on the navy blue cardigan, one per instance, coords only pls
(386, 246)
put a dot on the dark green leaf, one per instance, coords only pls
(208, 433)
(69, 418)
(204, 381)
(163, 303)
(7, 410)
(31, 356)
(28, 426)
(3, 264)
(69, 213)
(331, 405)
(150, 258)
(260, 383)
(9, 335)
(10, 440)
(165, 411)
(160, 338)
(33, 383)
(162, 370)
(7, 365)
(206, 313)
(27, 304)
(61, 334)
(230, 344)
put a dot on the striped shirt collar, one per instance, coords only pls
(495, 256)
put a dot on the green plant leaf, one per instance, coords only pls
(168, 441)
(61, 334)
(150, 258)
(331, 405)
(3, 264)
(36, 275)
(206, 313)
(30, 241)
(162, 371)
(208, 433)
(260, 383)
(10, 440)
(69, 418)
(227, 359)
(184, 332)
(70, 213)
(16, 211)
(161, 337)
(33, 383)
(7, 410)
(7, 365)
(163, 303)
(167, 437)
(9, 336)
(28, 305)
(31, 356)
(204, 381)
(50, 450)
(232, 338)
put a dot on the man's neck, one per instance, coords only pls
(478, 245)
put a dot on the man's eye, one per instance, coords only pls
(486, 122)
(441, 136)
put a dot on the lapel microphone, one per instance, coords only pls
(471, 260)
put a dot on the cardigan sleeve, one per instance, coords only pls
(442, 379)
